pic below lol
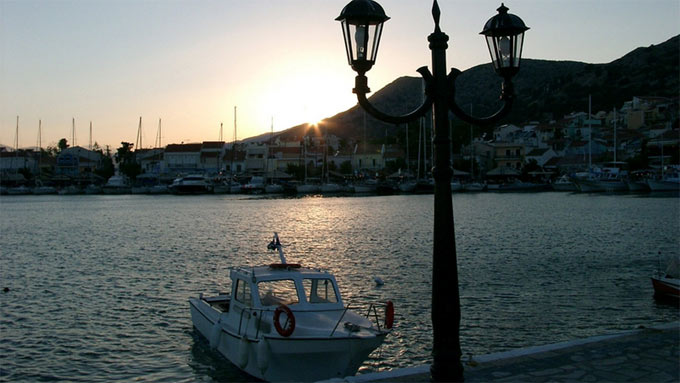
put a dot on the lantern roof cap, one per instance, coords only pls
(503, 23)
(363, 10)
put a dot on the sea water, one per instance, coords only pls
(98, 285)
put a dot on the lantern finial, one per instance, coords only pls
(502, 9)
(436, 13)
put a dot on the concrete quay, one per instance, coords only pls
(643, 355)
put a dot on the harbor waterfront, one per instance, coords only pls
(98, 285)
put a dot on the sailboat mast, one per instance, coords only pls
(472, 158)
(73, 132)
(158, 135)
(16, 146)
(420, 143)
(271, 139)
(590, 135)
(89, 146)
(614, 134)
(39, 145)
(138, 144)
(233, 145)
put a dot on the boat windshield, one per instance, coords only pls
(278, 292)
(243, 292)
(320, 291)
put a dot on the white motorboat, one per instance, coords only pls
(564, 184)
(254, 186)
(70, 190)
(117, 184)
(159, 189)
(668, 183)
(285, 322)
(407, 186)
(19, 190)
(474, 187)
(191, 184)
(39, 190)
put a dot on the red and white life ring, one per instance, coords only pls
(287, 331)
(389, 315)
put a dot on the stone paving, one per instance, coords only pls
(645, 355)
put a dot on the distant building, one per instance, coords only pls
(282, 156)
(212, 153)
(371, 159)
(508, 155)
(234, 160)
(183, 158)
(76, 161)
(151, 160)
(647, 111)
(256, 154)
(12, 162)
(505, 133)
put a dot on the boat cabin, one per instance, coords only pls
(301, 288)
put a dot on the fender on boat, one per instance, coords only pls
(243, 348)
(215, 334)
(263, 355)
(389, 315)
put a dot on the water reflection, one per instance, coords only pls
(99, 284)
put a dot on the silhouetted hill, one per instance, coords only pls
(544, 90)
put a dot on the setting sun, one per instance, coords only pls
(306, 98)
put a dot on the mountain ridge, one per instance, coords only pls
(545, 90)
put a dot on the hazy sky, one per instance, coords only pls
(190, 62)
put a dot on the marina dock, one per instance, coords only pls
(642, 355)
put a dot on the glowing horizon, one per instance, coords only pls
(190, 64)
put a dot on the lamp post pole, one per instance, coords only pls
(446, 351)
(362, 22)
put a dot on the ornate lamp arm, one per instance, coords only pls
(361, 89)
(507, 95)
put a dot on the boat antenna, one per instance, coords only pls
(275, 244)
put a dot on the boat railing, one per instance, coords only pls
(340, 319)
(373, 307)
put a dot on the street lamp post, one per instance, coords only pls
(362, 22)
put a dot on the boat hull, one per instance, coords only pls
(307, 188)
(666, 287)
(274, 358)
(190, 189)
(638, 186)
(407, 187)
(656, 185)
(116, 190)
(588, 186)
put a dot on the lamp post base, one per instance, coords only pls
(449, 371)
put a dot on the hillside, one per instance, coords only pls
(545, 90)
